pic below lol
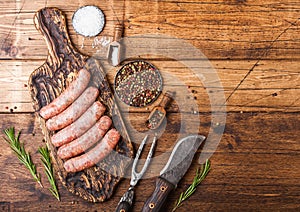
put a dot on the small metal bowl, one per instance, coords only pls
(138, 83)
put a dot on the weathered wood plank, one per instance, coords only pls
(254, 167)
(272, 85)
(266, 100)
(20, 39)
(220, 29)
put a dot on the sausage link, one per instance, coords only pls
(74, 111)
(85, 141)
(80, 126)
(68, 96)
(93, 156)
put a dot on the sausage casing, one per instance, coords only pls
(68, 96)
(95, 155)
(74, 111)
(85, 141)
(80, 126)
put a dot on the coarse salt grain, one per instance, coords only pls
(88, 21)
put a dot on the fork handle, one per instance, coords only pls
(125, 204)
(123, 207)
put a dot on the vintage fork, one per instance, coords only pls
(126, 201)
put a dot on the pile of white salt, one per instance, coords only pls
(88, 21)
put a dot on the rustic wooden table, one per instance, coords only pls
(254, 48)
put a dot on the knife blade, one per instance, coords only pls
(177, 165)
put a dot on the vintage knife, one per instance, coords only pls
(177, 165)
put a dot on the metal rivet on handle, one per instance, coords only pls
(151, 205)
(163, 188)
(122, 210)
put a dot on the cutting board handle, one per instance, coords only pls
(51, 23)
(63, 61)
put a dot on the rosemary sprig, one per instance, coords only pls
(46, 160)
(21, 153)
(199, 177)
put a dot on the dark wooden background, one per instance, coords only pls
(254, 47)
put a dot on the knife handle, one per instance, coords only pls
(155, 202)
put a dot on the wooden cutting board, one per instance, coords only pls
(95, 184)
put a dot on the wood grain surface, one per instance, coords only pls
(252, 45)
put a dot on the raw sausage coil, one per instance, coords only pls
(96, 154)
(80, 126)
(67, 97)
(85, 141)
(74, 111)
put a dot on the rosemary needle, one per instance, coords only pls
(46, 160)
(23, 156)
(199, 177)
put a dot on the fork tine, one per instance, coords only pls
(139, 153)
(136, 176)
(149, 156)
